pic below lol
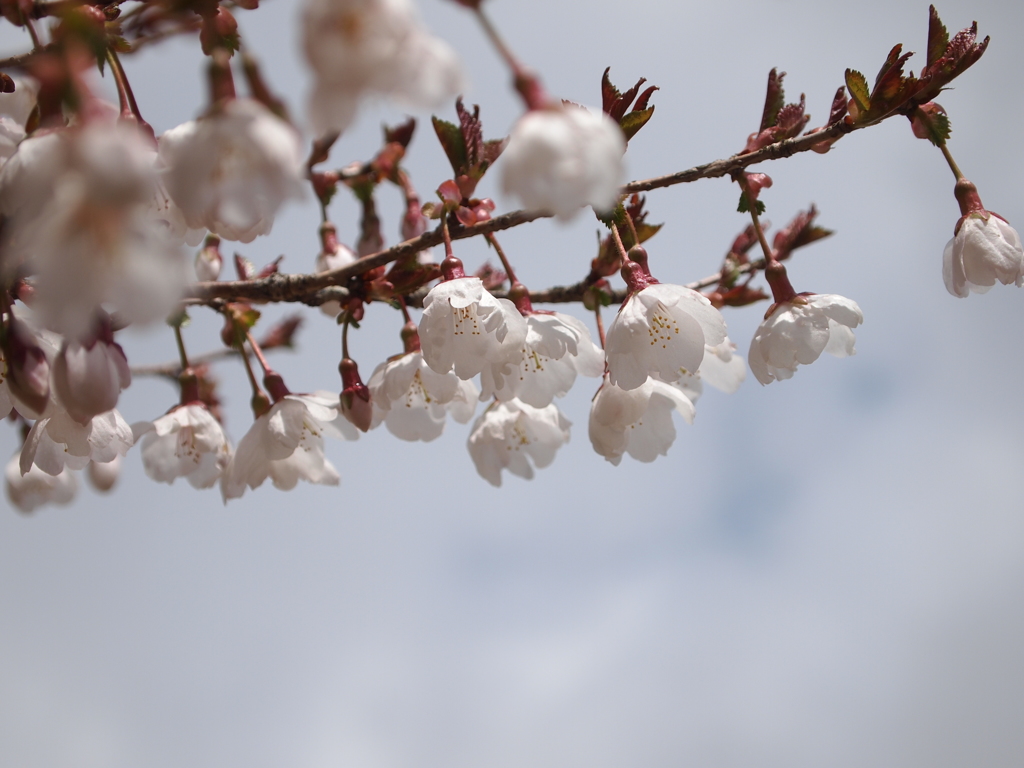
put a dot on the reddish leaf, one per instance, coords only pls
(452, 142)
(938, 37)
(400, 134)
(774, 99)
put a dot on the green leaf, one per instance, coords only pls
(858, 86)
(938, 129)
(744, 206)
(450, 136)
(634, 121)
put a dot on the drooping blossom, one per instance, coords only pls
(56, 441)
(796, 332)
(103, 476)
(80, 205)
(286, 444)
(231, 170)
(362, 48)
(413, 400)
(661, 330)
(34, 488)
(984, 250)
(637, 421)
(564, 158)
(89, 376)
(466, 329)
(722, 368)
(557, 347)
(517, 437)
(188, 442)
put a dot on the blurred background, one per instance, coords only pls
(825, 571)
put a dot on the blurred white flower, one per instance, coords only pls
(88, 377)
(188, 442)
(57, 441)
(661, 331)
(556, 348)
(34, 488)
(231, 170)
(466, 329)
(80, 204)
(104, 476)
(797, 332)
(562, 159)
(412, 400)
(510, 435)
(360, 48)
(636, 421)
(15, 109)
(286, 444)
(985, 249)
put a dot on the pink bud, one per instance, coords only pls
(355, 396)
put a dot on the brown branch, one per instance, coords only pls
(724, 167)
(304, 287)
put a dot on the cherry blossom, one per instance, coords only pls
(286, 444)
(797, 332)
(103, 476)
(56, 440)
(984, 250)
(188, 442)
(556, 348)
(359, 48)
(81, 209)
(511, 435)
(564, 158)
(661, 330)
(412, 400)
(637, 421)
(34, 488)
(88, 377)
(722, 368)
(231, 170)
(466, 329)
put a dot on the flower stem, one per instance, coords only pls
(258, 352)
(405, 309)
(501, 255)
(600, 324)
(129, 107)
(526, 83)
(181, 347)
(618, 242)
(344, 332)
(632, 229)
(952, 163)
(448, 253)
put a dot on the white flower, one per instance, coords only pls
(985, 249)
(557, 347)
(15, 109)
(57, 440)
(104, 476)
(286, 444)
(231, 170)
(81, 209)
(636, 421)
(34, 488)
(88, 378)
(661, 330)
(334, 254)
(797, 332)
(722, 368)
(412, 400)
(562, 159)
(466, 329)
(360, 48)
(188, 442)
(509, 435)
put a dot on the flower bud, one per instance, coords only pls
(355, 396)
(209, 261)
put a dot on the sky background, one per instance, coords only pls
(825, 571)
